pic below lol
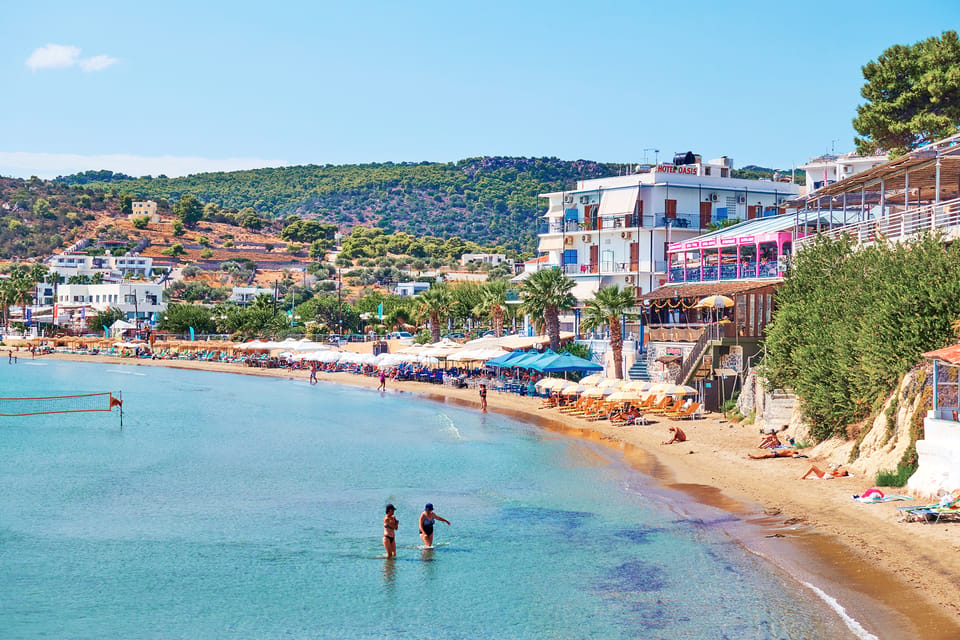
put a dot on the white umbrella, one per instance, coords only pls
(574, 389)
(623, 396)
(639, 386)
(592, 379)
(551, 383)
(253, 345)
(597, 392)
(610, 383)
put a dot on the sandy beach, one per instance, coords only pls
(902, 579)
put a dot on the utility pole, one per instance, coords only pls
(340, 302)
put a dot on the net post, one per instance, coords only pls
(120, 398)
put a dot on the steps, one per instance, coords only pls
(638, 371)
(780, 409)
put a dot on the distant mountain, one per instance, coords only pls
(753, 172)
(490, 200)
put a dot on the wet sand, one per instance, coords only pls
(899, 580)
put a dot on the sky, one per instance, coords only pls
(180, 87)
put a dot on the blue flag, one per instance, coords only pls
(380, 311)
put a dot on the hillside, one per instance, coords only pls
(491, 201)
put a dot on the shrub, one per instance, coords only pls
(896, 478)
(141, 222)
(206, 254)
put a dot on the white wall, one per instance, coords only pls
(939, 458)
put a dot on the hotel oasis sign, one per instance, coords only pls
(683, 169)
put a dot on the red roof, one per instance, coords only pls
(947, 354)
(542, 258)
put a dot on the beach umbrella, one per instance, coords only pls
(715, 302)
(506, 359)
(593, 378)
(640, 386)
(610, 383)
(568, 362)
(573, 389)
(551, 383)
(623, 396)
(597, 392)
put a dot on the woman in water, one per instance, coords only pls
(390, 526)
(427, 520)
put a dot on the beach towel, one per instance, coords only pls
(874, 498)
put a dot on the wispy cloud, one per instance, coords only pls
(96, 63)
(50, 165)
(61, 56)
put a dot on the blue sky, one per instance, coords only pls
(177, 87)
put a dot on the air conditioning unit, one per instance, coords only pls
(714, 197)
(631, 279)
(585, 238)
(741, 199)
(568, 199)
(568, 241)
(584, 199)
(625, 235)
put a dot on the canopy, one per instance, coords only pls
(507, 359)
(569, 362)
(531, 358)
(121, 325)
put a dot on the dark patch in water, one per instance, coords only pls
(640, 535)
(566, 520)
(635, 575)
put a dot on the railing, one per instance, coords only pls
(679, 221)
(897, 226)
(688, 365)
(744, 270)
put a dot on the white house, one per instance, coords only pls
(244, 295)
(137, 300)
(827, 169)
(113, 268)
(488, 258)
(617, 230)
(408, 289)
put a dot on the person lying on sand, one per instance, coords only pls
(774, 453)
(678, 436)
(770, 441)
(833, 472)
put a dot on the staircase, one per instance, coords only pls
(639, 371)
(779, 411)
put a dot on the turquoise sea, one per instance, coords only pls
(240, 507)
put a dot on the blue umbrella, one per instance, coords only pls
(506, 359)
(530, 358)
(569, 362)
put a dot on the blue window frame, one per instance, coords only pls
(570, 256)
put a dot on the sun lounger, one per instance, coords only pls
(690, 412)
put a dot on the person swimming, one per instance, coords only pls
(427, 519)
(390, 526)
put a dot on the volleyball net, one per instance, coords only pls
(10, 407)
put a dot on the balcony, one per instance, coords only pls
(570, 226)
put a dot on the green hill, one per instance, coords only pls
(491, 201)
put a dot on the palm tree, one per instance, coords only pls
(546, 294)
(493, 304)
(607, 307)
(6, 300)
(434, 305)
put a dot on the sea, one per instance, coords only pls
(231, 506)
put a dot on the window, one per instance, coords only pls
(570, 256)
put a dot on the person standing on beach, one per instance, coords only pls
(427, 520)
(313, 373)
(483, 398)
(390, 526)
(383, 381)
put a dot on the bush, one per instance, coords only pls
(141, 222)
(174, 250)
(206, 254)
(897, 478)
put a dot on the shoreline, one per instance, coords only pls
(899, 578)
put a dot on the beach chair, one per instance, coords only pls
(666, 405)
(690, 412)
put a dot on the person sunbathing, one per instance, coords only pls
(678, 436)
(834, 471)
(771, 441)
(773, 453)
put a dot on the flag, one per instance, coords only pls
(380, 311)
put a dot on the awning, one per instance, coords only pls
(551, 243)
(585, 289)
(700, 290)
(619, 202)
(949, 355)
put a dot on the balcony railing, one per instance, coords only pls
(625, 223)
(896, 226)
(747, 270)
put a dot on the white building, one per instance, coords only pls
(137, 300)
(113, 268)
(488, 258)
(245, 295)
(828, 169)
(409, 289)
(146, 208)
(616, 231)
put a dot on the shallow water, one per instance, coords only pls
(252, 507)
